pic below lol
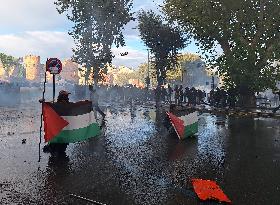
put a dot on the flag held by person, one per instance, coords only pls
(184, 126)
(70, 122)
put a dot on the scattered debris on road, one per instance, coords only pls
(209, 190)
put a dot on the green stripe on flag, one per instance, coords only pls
(190, 130)
(77, 135)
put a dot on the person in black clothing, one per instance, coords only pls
(157, 95)
(163, 94)
(217, 97)
(199, 96)
(231, 98)
(277, 108)
(211, 99)
(169, 93)
(186, 94)
(95, 99)
(193, 94)
(223, 98)
(181, 95)
(177, 94)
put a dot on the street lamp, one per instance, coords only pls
(148, 70)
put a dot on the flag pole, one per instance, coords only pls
(53, 87)
(41, 126)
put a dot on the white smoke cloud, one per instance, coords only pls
(133, 59)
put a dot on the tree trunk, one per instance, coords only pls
(247, 97)
(159, 84)
(95, 78)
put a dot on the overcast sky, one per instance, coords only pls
(35, 27)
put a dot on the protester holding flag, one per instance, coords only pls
(63, 98)
(68, 122)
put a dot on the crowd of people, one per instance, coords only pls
(177, 94)
(180, 95)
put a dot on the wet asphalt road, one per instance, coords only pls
(135, 161)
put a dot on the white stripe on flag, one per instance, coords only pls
(190, 118)
(79, 121)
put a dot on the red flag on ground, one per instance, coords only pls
(207, 189)
(178, 124)
(53, 123)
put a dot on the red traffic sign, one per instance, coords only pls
(54, 65)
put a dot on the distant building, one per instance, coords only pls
(136, 82)
(2, 71)
(70, 71)
(196, 75)
(33, 68)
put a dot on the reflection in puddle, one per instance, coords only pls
(211, 139)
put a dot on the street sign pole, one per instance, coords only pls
(53, 87)
(148, 66)
(54, 66)
(41, 126)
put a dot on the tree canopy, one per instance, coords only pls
(248, 32)
(8, 61)
(183, 59)
(164, 40)
(97, 26)
(142, 73)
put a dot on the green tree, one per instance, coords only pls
(98, 24)
(142, 73)
(124, 75)
(247, 32)
(164, 40)
(8, 61)
(183, 60)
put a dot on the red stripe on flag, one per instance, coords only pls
(53, 123)
(178, 124)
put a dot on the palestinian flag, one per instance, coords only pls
(184, 126)
(69, 122)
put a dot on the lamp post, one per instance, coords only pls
(213, 82)
(148, 74)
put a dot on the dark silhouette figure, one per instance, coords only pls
(277, 108)
(169, 93)
(181, 95)
(186, 94)
(95, 99)
(177, 94)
